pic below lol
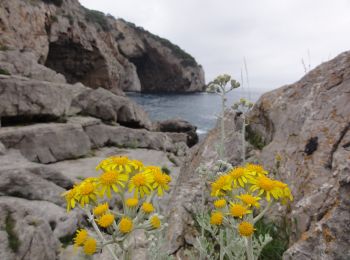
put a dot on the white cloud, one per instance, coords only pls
(273, 35)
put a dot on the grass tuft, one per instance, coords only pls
(12, 237)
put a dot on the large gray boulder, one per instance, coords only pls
(103, 104)
(28, 99)
(25, 64)
(307, 124)
(47, 143)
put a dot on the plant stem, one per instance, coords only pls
(94, 225)
(221, 244)
(243, 138)
(258, 217)
(222, 143)
(249, 248)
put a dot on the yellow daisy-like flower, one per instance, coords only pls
(245, 229)
(106, 220)
(255, 169)
(238, 210)
(100, 209)
(239, 176)
(132, 202)
(286, 194)
(161, 181)
(80, 237)
(125, 225)
(71, 197)
(153, 169)
(267, 186)
(112, 180)
(249, 200)
(90, 246)
(155, 222)
(221, 186)
(219, 204)
(87, 191)
(137, 165)
(216, 218)
(147, 208)
(141, 183)
(118, 163)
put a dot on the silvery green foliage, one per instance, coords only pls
(209, 173)
(243, 105)
(157, 241)
(232, 244)
(219, 84)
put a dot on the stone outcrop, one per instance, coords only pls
(178, 130)
(88, 47)
(307, 124)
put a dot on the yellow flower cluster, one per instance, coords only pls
(131, 181)
(240, 190)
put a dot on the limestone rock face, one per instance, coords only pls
(24, 98)
(88, 47)
(307, 124)
(102, 104)
(176, 128)
(161, 65)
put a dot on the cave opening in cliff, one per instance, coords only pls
(77, 63)
(156, 74)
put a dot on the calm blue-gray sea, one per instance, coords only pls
(200, 108)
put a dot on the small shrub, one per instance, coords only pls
(12, 237)
(4, 72)
(55, 2)
(97, 17)
(254, 138)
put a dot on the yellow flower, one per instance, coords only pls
(161, 181)
(105, 220)
(137, 165)
(147, 207)
(118, 163)
(86, 191)
(141, 183)
(255, 169)
(216, 218)
(153, 169)
(221, 186)
(239, 176)
(71, 197)
(245, 229)
(219, 204)
(238, 210)
(286, 194)
(132, 202)
(100, 209)
(250, 200)
(267, 186)
(111, 179)
(90, 246)
(125, 225)
(80, 237)
(155, 222)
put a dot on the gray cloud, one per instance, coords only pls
(273, 35)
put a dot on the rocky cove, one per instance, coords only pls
(63, 73)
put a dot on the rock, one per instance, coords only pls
(2, 149)
(103, 104)
(178, 126)
(105, 135)
(24, 184)
(23, 99)
(25, 64)
(88, 47)
(24, 235)
(47, 143)
(161, 65)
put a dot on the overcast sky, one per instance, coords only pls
(272, 35)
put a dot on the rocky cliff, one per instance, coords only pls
(97, 50)
(307, 125)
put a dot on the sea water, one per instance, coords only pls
(200, 109)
